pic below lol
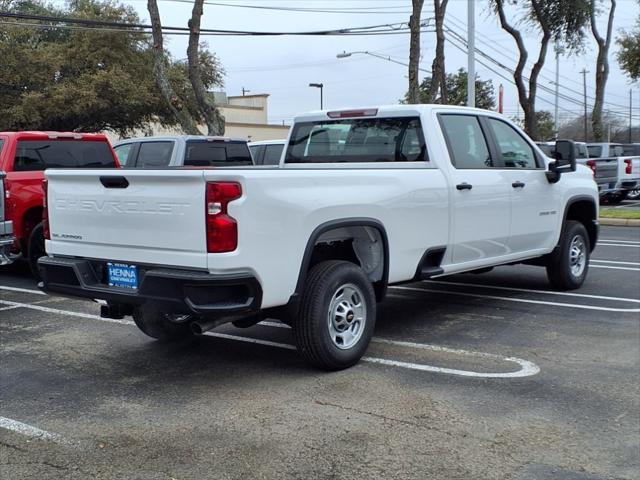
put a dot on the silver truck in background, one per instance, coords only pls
(605, 170)
(183, 150)
(627, 161)
(6, 227)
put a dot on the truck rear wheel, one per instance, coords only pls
(337, 315)
(567, 267)
(162, 326)
(35, 249)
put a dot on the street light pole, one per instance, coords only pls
(471, 51)
(321, 87)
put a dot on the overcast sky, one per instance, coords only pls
(284, 66)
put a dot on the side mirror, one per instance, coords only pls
(565, 155)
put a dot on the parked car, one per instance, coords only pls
(362, 199)
(6, 226)
(267, 152)
(632, 149)
(23, 157)
(183, 150)
(628, 167)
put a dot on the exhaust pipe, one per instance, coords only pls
(201, 326)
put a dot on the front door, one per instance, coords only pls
(480, 193)
(534, 201)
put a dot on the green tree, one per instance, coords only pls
(456, 91)
(87, 79)
(629, 53)
(546, 125)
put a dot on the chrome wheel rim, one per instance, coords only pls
(577, 256)
(347, 316)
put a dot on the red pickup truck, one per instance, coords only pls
(23, 157)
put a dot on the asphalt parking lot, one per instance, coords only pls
(488, 376)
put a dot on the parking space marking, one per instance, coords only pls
(637, 242)
(531, 290)
(632, 269)
(526, 368)
(521, 300)
(29, 430)
(22, 290)
(616, 245)
(613, 262)
(9, 308)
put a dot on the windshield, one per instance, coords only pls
(206, 153)
(33, 155)
(357, 140)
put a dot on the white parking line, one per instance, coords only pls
(613, 262)
(531, 290)
(632, 269)
(9, 308)
(23, 290)
(29, 430)
(616, 245)
(521, 300)
(526, 368)
(637, 242)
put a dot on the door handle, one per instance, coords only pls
(464, 186)
(113, 181)
(518, 184)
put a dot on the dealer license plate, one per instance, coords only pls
(122, 275)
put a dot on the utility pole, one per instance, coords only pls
(584, 83)
(471, 52)
(630, 113)
(245, 91)
(555, 116)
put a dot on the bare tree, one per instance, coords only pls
(176, 106)
(602, 67)
(212, 116)
(527, 99)
(437, 68)
(562, 21)
(414, 52)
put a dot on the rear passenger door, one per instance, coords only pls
(534, 201)
(481, 204)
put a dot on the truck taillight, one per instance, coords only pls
(45, 211)
(222, 229)
(629, 166)
(592, 165)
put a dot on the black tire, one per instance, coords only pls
(156, 324)
(633, 194)
(559, 265)
(35, 249)
(325, 283)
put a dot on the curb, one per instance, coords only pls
(620, 222)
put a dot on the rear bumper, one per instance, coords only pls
(6, 242)
(172, 290)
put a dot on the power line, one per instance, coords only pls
(382, 29)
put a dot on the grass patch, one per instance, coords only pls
(620, 213)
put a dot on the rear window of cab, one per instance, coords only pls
(37, 155)
(357, 140)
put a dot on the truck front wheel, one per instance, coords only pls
(162, 326)
(568, 265)
(337, 315)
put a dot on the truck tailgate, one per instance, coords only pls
(137, 216)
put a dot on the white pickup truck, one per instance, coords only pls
(362, 199)
(628, 163)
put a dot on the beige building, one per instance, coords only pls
(246, 117)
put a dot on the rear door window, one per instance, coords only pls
(256, 153)
(34, 155)
(357, 140)
(204, 153)
(466, 142)
(595, 151)
(272, 154)
(154, 154)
